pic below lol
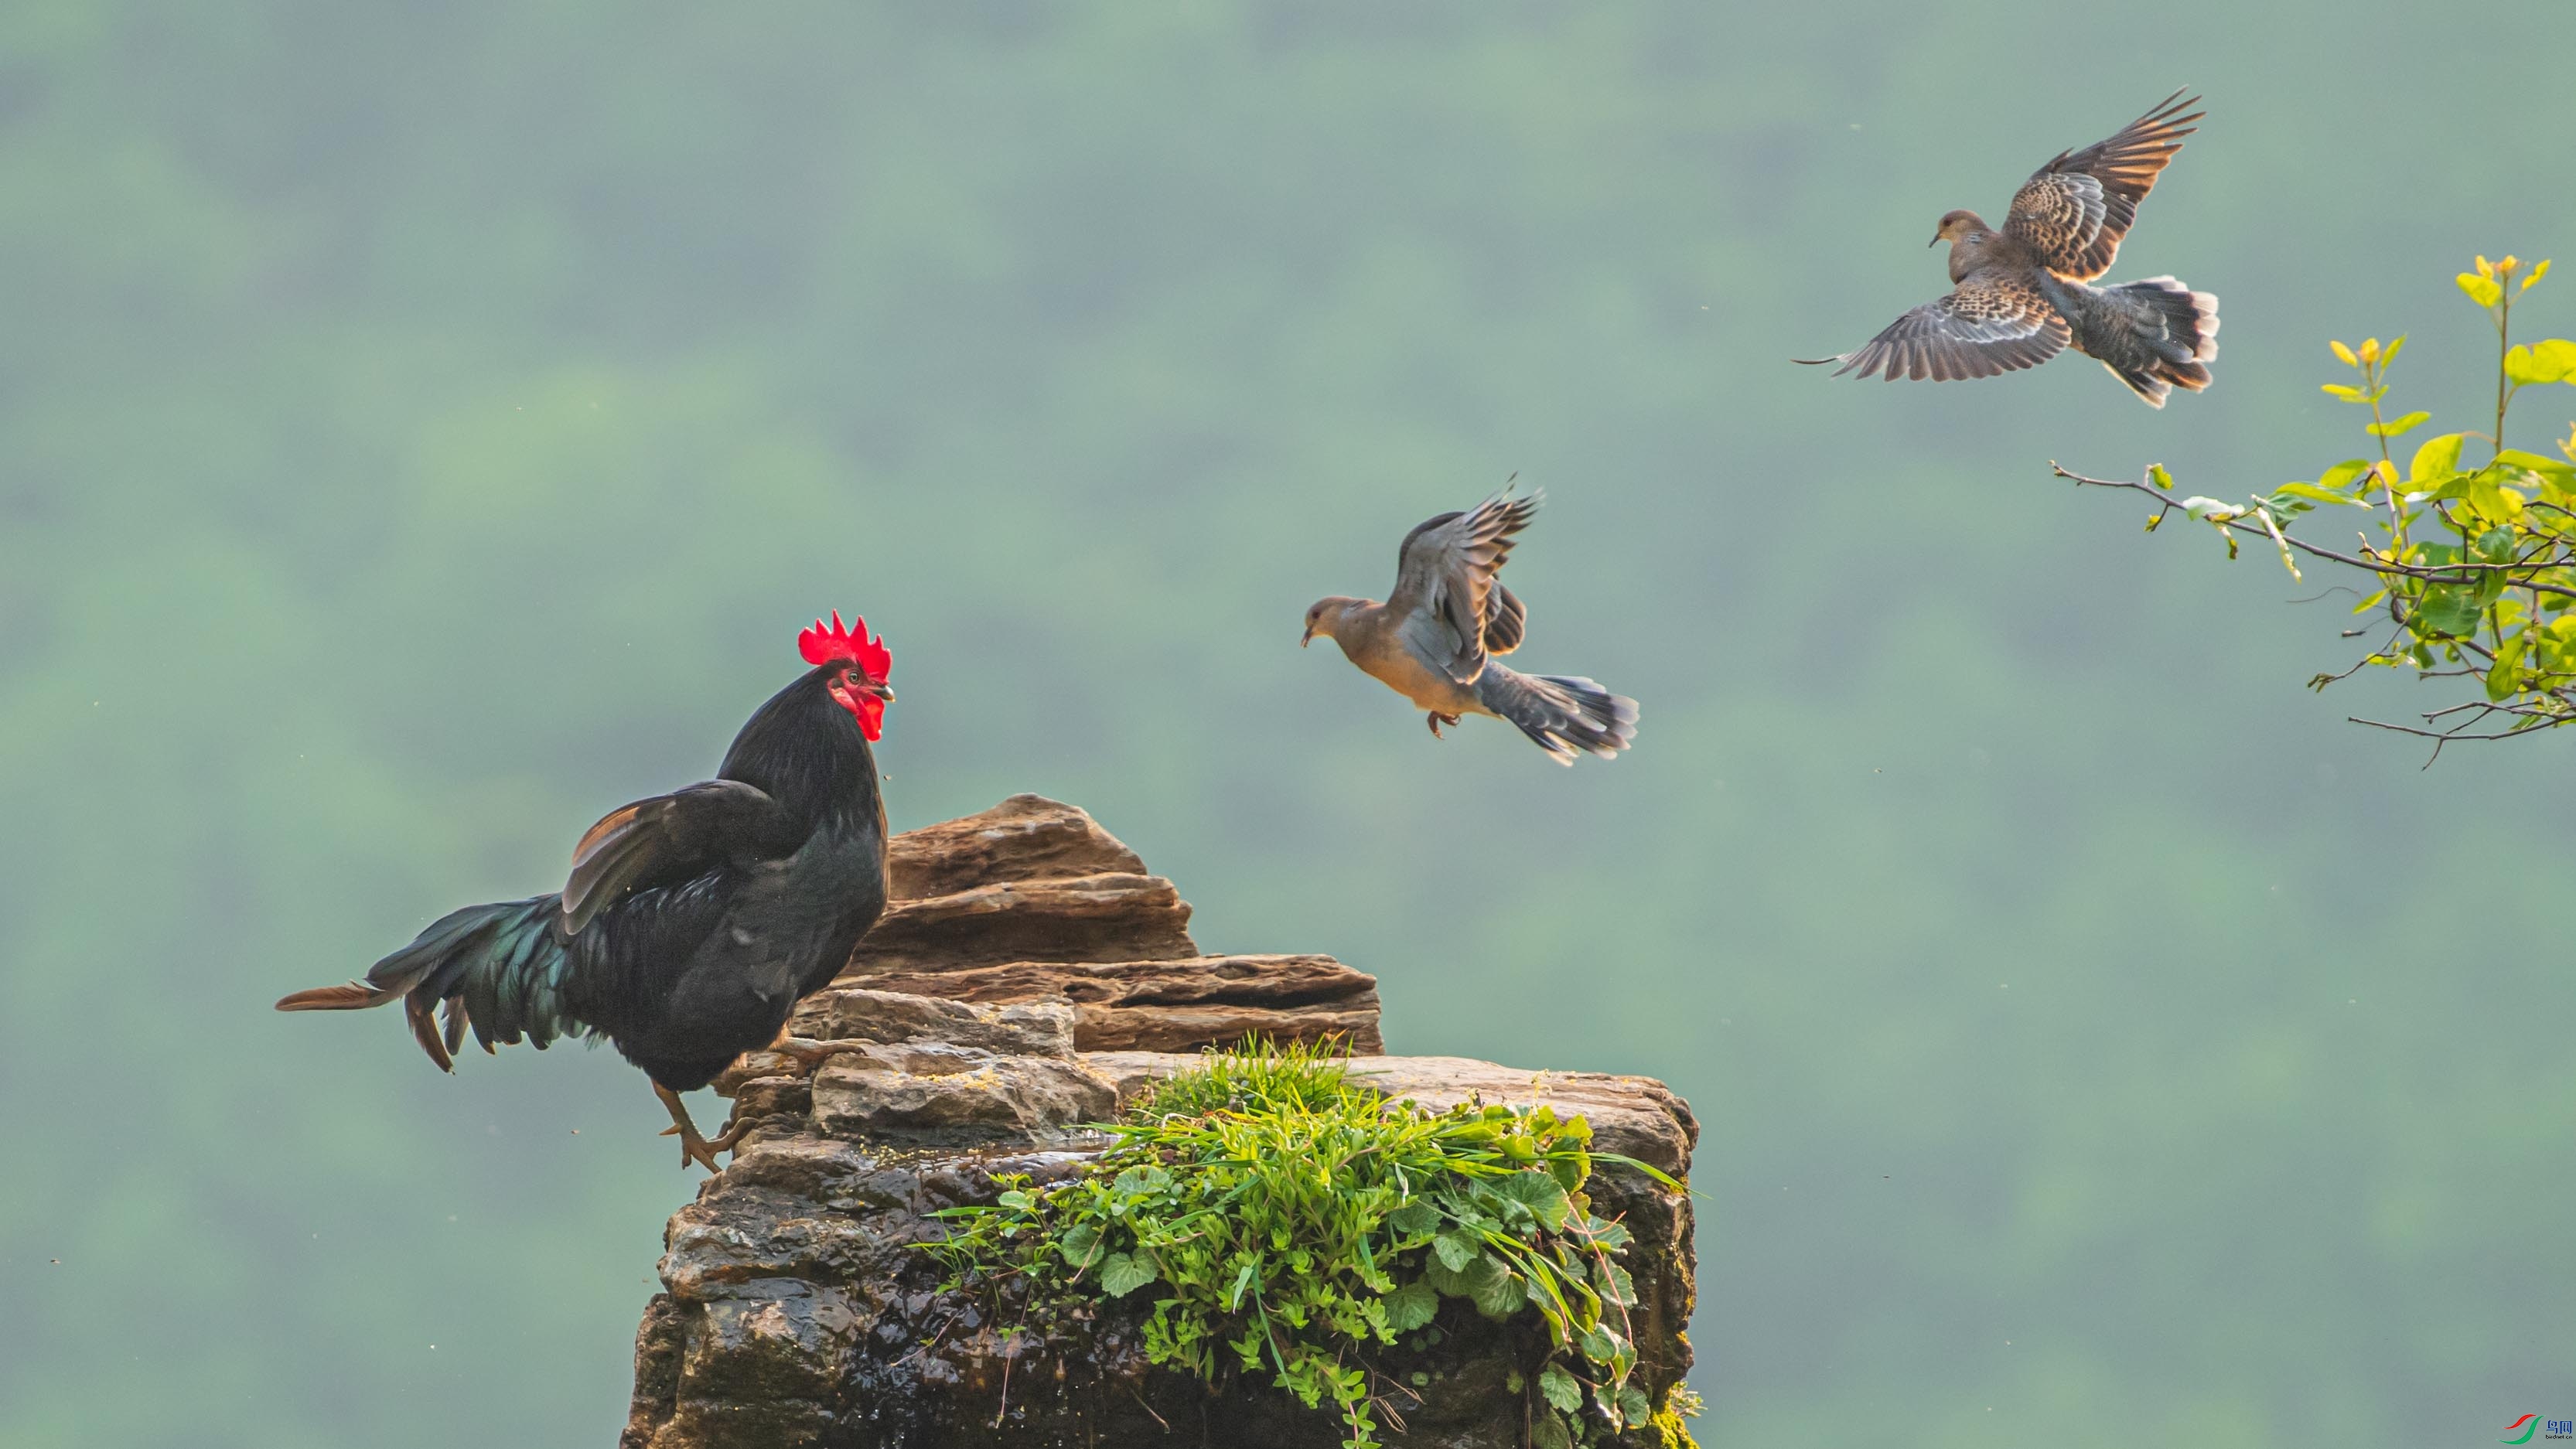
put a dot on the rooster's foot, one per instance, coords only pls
(808, 1052)
(693, 1148)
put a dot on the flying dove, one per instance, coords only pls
(2021, 291)
(1434, 639)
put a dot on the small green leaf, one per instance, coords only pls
(1456, 1250)
(1563, 1391)
(2396, 426)
(1601, 1344)
(2348, 394)
(1411, 1306)
(1634, 1406)
(1142, 1181)
(1462, 1282)
(1121, 1274)
(2482, 290)
(2504, 676)
(2557, 354)
(1414, 1218)
(1541, 1194)
(1501, 1295)
(2390, 355)
(2447, 611)
(2436, 460)
(2557, 468)
(1549, 1432)
(1613, 1283)
(2494, 546)
(2157, 475)
(1080, 1245)
(2522, 366)
(1613, 1236)
(2315, 494)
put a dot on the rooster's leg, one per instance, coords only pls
(693, 1148)
(1437, 719)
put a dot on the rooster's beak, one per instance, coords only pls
(877, 687)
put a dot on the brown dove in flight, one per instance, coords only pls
(2021, 293)
(1434, 639)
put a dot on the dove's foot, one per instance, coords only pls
(693, 1148)
(1436, 719)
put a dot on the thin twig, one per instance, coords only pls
(2458, 573)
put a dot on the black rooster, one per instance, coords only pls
(693, 922)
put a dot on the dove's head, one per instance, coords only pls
(1326, 615)
(1958, 226)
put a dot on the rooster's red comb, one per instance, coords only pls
(822, 644)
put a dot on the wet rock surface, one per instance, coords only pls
(798, 1307)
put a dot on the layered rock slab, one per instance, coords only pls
(1031, 879)
(1032, 901)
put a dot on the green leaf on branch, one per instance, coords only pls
(2315, 493)
(2482, 290)
(2504, 676)
(2436, 460)
(2395, 426)
(2523, 366)
(2157, 475)
(2557, 470)
(2448, 611)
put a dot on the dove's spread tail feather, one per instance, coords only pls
(2155, 335)
(1565, 716)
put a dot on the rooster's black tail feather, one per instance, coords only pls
(497, 968)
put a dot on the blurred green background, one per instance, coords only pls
(424, 427)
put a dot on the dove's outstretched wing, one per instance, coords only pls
(1994, 323)
(1444, 596)
(2074, 210)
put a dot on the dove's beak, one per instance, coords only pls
(1308, 638)
(1934, 242)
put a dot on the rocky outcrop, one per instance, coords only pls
(1042, 980)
